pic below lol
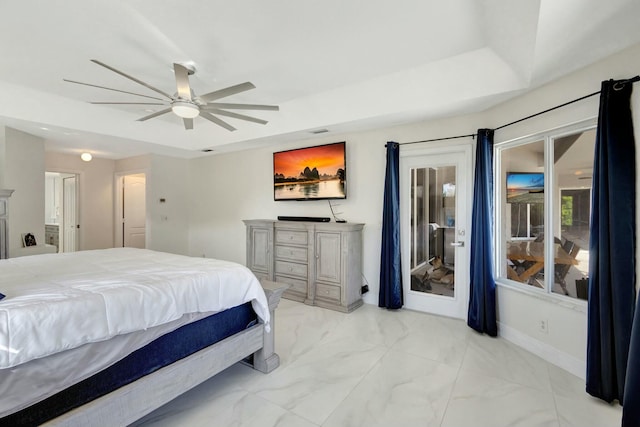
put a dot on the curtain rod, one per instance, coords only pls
(473, 135)
(548, 109)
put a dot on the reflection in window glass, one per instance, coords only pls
(522, 235)
(573, 166)
(523, 168)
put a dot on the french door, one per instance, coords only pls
(435, 192)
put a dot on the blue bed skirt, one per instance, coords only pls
(161, 352)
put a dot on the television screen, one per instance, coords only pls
(525, 187)
(312, 173)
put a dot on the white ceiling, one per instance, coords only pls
(341, 65)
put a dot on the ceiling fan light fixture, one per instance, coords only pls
(186, 110)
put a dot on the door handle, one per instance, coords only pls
(458, 244)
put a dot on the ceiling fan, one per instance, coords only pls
(185, 103)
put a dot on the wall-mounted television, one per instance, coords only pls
(525, 187)
(311, 173)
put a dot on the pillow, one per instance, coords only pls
(1, 295)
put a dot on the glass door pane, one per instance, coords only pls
(433, 220)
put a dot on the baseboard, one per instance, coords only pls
(547, 352)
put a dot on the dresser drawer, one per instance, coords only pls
(298, 286)
(291, 268)
(294, 237)
(328, 292)
(291, 253)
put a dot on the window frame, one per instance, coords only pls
(548, 137)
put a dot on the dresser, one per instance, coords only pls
(320, 261)
(4, 223)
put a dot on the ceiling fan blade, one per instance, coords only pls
(182, 81)
(220, 105)
(238, 116)
(188, 123)
(216, 120)
(127, 103)
(132, 78)
(231, 90)
(115, 90)
(156, 114)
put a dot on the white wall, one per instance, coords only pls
(95, 181)
(168, 221)
(166, 178)
(224, 189)
(23, 172)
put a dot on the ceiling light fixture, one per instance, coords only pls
(186, 110)
(86, 157)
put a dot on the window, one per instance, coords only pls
(567, 210)
(543, 188)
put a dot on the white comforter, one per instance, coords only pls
(57, 302)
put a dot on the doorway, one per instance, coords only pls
(435, 204)
(131, 211)
(62, 227)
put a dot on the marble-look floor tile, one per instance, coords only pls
(564, 383)
(499, 358)
(576, 407)
(587, 411)
(236, 409)
(299, 327)
(482, 401)
(437, 338)
(388, 367)
(374, 325)
(315, 384)
(212, 392)
(402, 390)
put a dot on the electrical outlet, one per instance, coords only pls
(543, 326)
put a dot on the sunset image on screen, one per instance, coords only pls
(308, 173)
(327, 159)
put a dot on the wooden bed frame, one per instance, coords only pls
(133, 401)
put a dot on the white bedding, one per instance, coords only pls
(57, 302)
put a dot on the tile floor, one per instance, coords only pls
(375, 367)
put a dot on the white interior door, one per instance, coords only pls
(435, 192)
(134, 211)
(70, 213)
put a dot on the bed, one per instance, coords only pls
(104, 337)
